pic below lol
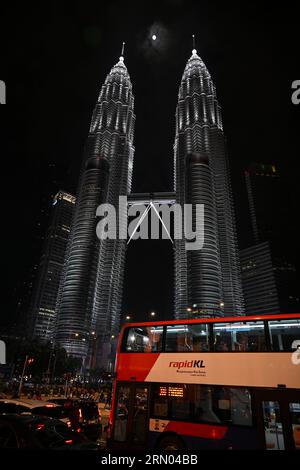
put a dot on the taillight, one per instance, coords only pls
(69, 424)
(110, 419)
(39, 427)
(69, 441)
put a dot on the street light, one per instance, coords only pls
(152, 314)
(28, 360)
(222, 304)
(128, 317)
(188, 309)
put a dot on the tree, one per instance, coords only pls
(46, 359)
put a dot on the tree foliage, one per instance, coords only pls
(46, 359)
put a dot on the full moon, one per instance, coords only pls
(154, 37)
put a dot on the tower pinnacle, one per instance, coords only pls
(194, 51)
(122, 52)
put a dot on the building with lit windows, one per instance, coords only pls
(268, 276)
(90, 294)
(207, 281)
(258, 278)
(44, 297)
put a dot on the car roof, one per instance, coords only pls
(29, 403)
(54, 399)
(28, 418)
(77, 400)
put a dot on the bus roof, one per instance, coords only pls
(239, 318)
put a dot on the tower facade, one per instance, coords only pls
(259, 280)
(207, 281)
(43, 304)
(272, 254)
(90, 293)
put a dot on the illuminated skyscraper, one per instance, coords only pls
(207, 281)
(43, 303)
(90, 294)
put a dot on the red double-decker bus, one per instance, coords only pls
(223, 383)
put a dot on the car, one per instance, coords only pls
(26, 431)
(35, 407)
(88, 415)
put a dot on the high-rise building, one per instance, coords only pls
(258, 279)
(268, 203)
(44, 297)
(207, 281)
(267, 268)
(90, 294)
(21, 322)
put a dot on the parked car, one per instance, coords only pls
(85, 412)
(27, 431)
(35, 407)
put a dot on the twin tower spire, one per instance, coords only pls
(194, 51)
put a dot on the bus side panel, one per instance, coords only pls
(235, 438)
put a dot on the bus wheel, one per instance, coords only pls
(171, 443)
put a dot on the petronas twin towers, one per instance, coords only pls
(207, 281)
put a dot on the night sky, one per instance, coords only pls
(54, 60)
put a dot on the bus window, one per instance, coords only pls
(295, 419)
(246, 336)
(192, 337)
(273, 426)
(240, 406)
(176, 398)
(223, 405)
(181, 401)
(140, 415)
(160, 408)
(284, 333)
(144, 339)
(202, 403)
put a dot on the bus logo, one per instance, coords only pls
(188, 364)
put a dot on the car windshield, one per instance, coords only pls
(89, 410)
(11, 408)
